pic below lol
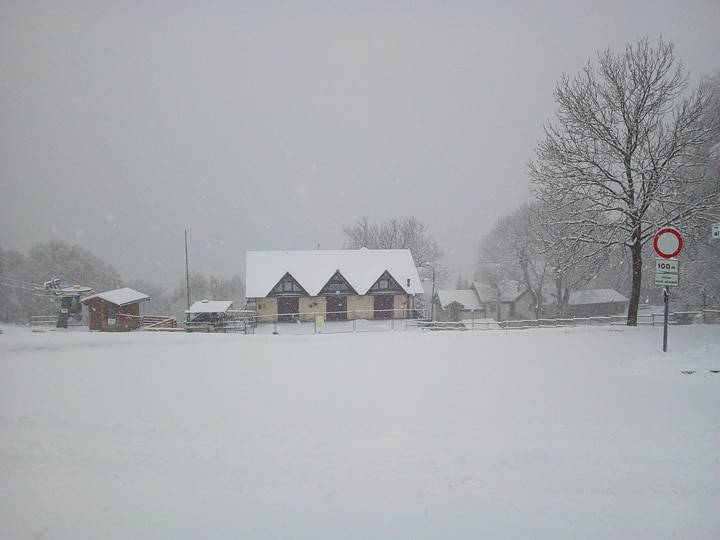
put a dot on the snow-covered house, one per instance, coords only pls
(457, 305)
(118, 309)
(506, 300)
(503, 301)
(595, 302)
(337, 284)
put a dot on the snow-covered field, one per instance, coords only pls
(567, 433)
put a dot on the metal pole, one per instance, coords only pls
(432, 296)
(666, 297)
(432, 304)
(187, 275)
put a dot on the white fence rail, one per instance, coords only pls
(338, 322)
(42, 320)
(702, 316)
(413, 319)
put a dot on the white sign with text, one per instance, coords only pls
(667, 266)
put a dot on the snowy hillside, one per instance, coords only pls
(578, 433)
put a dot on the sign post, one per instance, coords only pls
(666, 299)
(668, 243)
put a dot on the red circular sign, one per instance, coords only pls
(668, 242)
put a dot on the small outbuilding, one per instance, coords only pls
(596, 302)
(207, 315)
(457, 305)
(506, 300)
(116, 310)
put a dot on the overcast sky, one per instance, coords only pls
(270, 125)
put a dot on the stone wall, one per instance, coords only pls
(267, 310)
(311, 305)
(364, 305)
(401, 303)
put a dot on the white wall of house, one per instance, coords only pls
(525, 307)
(500, 311)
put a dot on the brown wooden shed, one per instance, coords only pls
(117, 310)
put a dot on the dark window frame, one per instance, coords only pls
(337, 285)
(386, 284)
(288, 286)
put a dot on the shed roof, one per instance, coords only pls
(210, 306)
(595, 296)
(119, 297)
(467, 298)
(312, 269)
(506, 291)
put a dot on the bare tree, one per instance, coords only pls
(571, 263)
(408, 233)
(623, 156)
(700, 282)
(511, 251)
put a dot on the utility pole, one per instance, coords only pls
(432, 298)
(187, 274)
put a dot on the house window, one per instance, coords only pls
(337, 285)
(288, 285)
(386, 284)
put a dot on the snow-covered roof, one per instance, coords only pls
(595, 296)
(312, 269)
(506, 291)
(210, 306)
(120, 297)
(467, 298)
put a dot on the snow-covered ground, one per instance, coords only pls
(548, 433)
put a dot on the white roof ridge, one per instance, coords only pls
(119, 297)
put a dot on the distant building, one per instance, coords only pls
(208, 311)
(596, 303)
(117, 310)
(507, 300)
(504, 301)
(336, 284)
(457, 305)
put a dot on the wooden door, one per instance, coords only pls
(287, 308)
(336, 308)
(383, 305)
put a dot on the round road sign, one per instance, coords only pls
(668, 242)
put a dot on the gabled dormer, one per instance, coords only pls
(386, 284)
(288, 286)
(337, 284)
